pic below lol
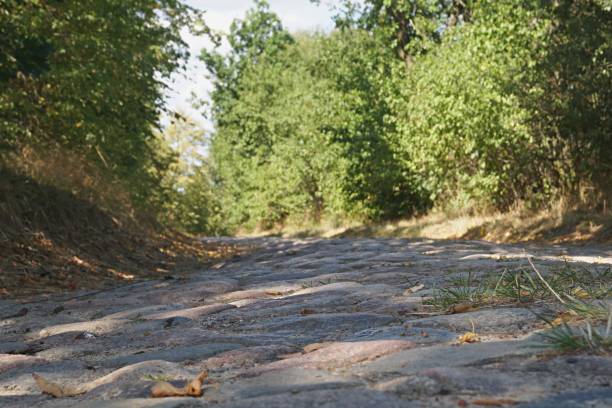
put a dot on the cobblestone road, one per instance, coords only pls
(305, 323)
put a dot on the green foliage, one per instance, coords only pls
(89, 76)
(305, 135)
(574, 105)
(184, 191)
(408, 104)
(483, 101)
(512, 107)
(463, 126)
(410, 27)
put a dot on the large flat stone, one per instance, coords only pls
(177, 402)
(339, 354)
(12, 361)
(337, 398)
(422, 358)
(176, 354)
(191, 313)
(247, 357)
(290, 380)
(414, 334)
(482, 381)
(98, 327)
(13, 347)
(485, 321)
(328, 322)
(593, 398)
(136, 380)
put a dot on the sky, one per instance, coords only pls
(296, 15)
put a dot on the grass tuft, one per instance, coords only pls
(585, 337)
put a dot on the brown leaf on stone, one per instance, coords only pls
(274, 293)
(56, 390)
(191, 389)
(413, 289)
(468, 337)
(305, 312)
(462, 308)
(562, 318)
(492, 402)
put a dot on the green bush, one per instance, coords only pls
(89, 75)
(464, 129)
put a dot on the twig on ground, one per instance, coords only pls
(544, 281)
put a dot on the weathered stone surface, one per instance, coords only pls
(176, 402)
(412, 387)
(328, 322)
(191, 313)
(414, 334)
(12, 361)
(249, 294)
(339, 398)
(339, 286)
(248, 356)
(288, 380)
(488, 382)
(139, 312)
(485, 321)
(594, 398)
(301, 323)
(183, 353)
(99, 327)
(339, 354)
(422, 358)
(13, 347)
(136, 380)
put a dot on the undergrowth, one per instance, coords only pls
(64, 226)
(577, 296)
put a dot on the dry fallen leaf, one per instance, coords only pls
(191, 389)
(468, 337)
(274, 293)
(494, 402)
(305, 312)
(462, 308)
(56, 390)
(561, 318)
(580, 293)
(413, 289)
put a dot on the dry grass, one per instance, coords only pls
(66, 226)
(561, 223)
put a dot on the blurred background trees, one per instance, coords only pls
(414, 104)
(408, 105)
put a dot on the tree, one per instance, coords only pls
(261, 32)
(185, 187)
(575, 99)
(89, 76)
(409, 26)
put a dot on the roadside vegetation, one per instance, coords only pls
(407, 108)
(572, 302)
(92, 189)
(462, 107)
